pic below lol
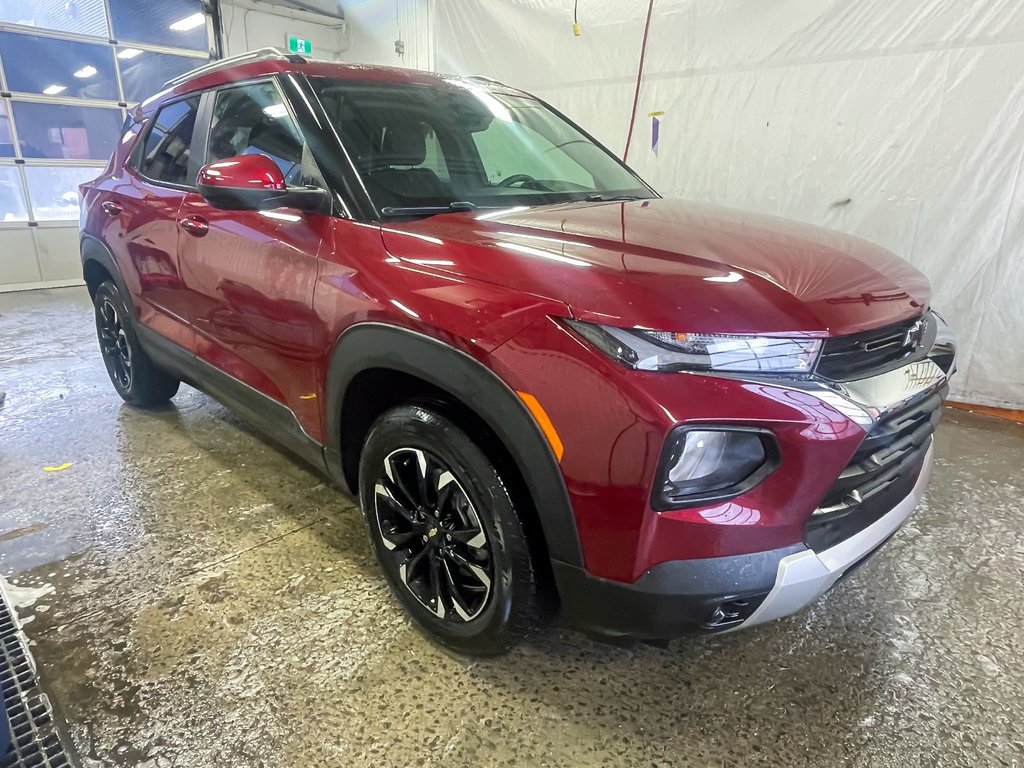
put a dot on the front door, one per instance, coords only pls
(250, 275)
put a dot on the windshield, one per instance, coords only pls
(426, 146)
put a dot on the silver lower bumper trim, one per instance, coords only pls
(805, 576)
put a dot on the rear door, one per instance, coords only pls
(143, 213)
(250, 274)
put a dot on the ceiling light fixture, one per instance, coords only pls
(188, 23)
(53, 90)
(85, 72)
(129, 53)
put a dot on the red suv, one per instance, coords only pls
(548, 386)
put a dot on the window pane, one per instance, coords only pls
(6, 139)
(76, 133)
(433, 157)
(175, 23)
(143, 73)
(36, 64)
(84, 16)
(253, 120)
(168, 145)
(418, 145)
(12, 204)
(509, 149)
(54, 191)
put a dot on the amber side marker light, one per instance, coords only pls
(544, 422)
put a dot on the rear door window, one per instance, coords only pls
(168, 144)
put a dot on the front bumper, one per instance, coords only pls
(679, 596)
(803, 577)
(853, 462)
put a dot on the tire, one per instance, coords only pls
(134, 375)
(446, 533)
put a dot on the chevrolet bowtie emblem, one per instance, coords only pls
(915, 335)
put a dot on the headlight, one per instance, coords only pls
(663, 351)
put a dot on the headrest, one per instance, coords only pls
(404, 144)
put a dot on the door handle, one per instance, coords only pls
(196, 226)
(111, 208)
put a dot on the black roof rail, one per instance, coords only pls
(214, 66)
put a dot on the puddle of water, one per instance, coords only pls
(24, 597)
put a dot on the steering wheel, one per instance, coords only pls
(515, 179)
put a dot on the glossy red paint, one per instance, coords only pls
(613, 423)
(677, 266)
(245, 172)
(264, 297)
(248, 283)
(143, 239)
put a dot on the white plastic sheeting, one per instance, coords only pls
(373, 27)
(901, 121)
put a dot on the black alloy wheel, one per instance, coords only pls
(117, 352)
(134, 375)
(446, 531)
(430, 529)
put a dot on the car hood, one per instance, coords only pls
(672, 265)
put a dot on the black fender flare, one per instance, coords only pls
(373, 345)
(94, 249)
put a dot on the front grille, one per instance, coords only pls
(880, 475)
(870, 353)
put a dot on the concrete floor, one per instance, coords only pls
(198, 599)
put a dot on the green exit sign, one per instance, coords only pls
(298, 45)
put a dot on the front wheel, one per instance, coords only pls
(135, 377)
(446, 533)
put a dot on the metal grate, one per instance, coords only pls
(35, 741)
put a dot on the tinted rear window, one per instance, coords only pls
(168, 144)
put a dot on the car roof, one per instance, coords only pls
(225, 71)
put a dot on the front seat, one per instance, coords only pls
(394, 178)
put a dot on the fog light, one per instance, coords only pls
(706, 465)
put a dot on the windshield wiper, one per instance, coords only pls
(429, 210)
(597, 197)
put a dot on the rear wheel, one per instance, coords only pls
(135, 377)
(446, 533)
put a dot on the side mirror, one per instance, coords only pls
(253, 183)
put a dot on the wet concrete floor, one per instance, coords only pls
(196, 598)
